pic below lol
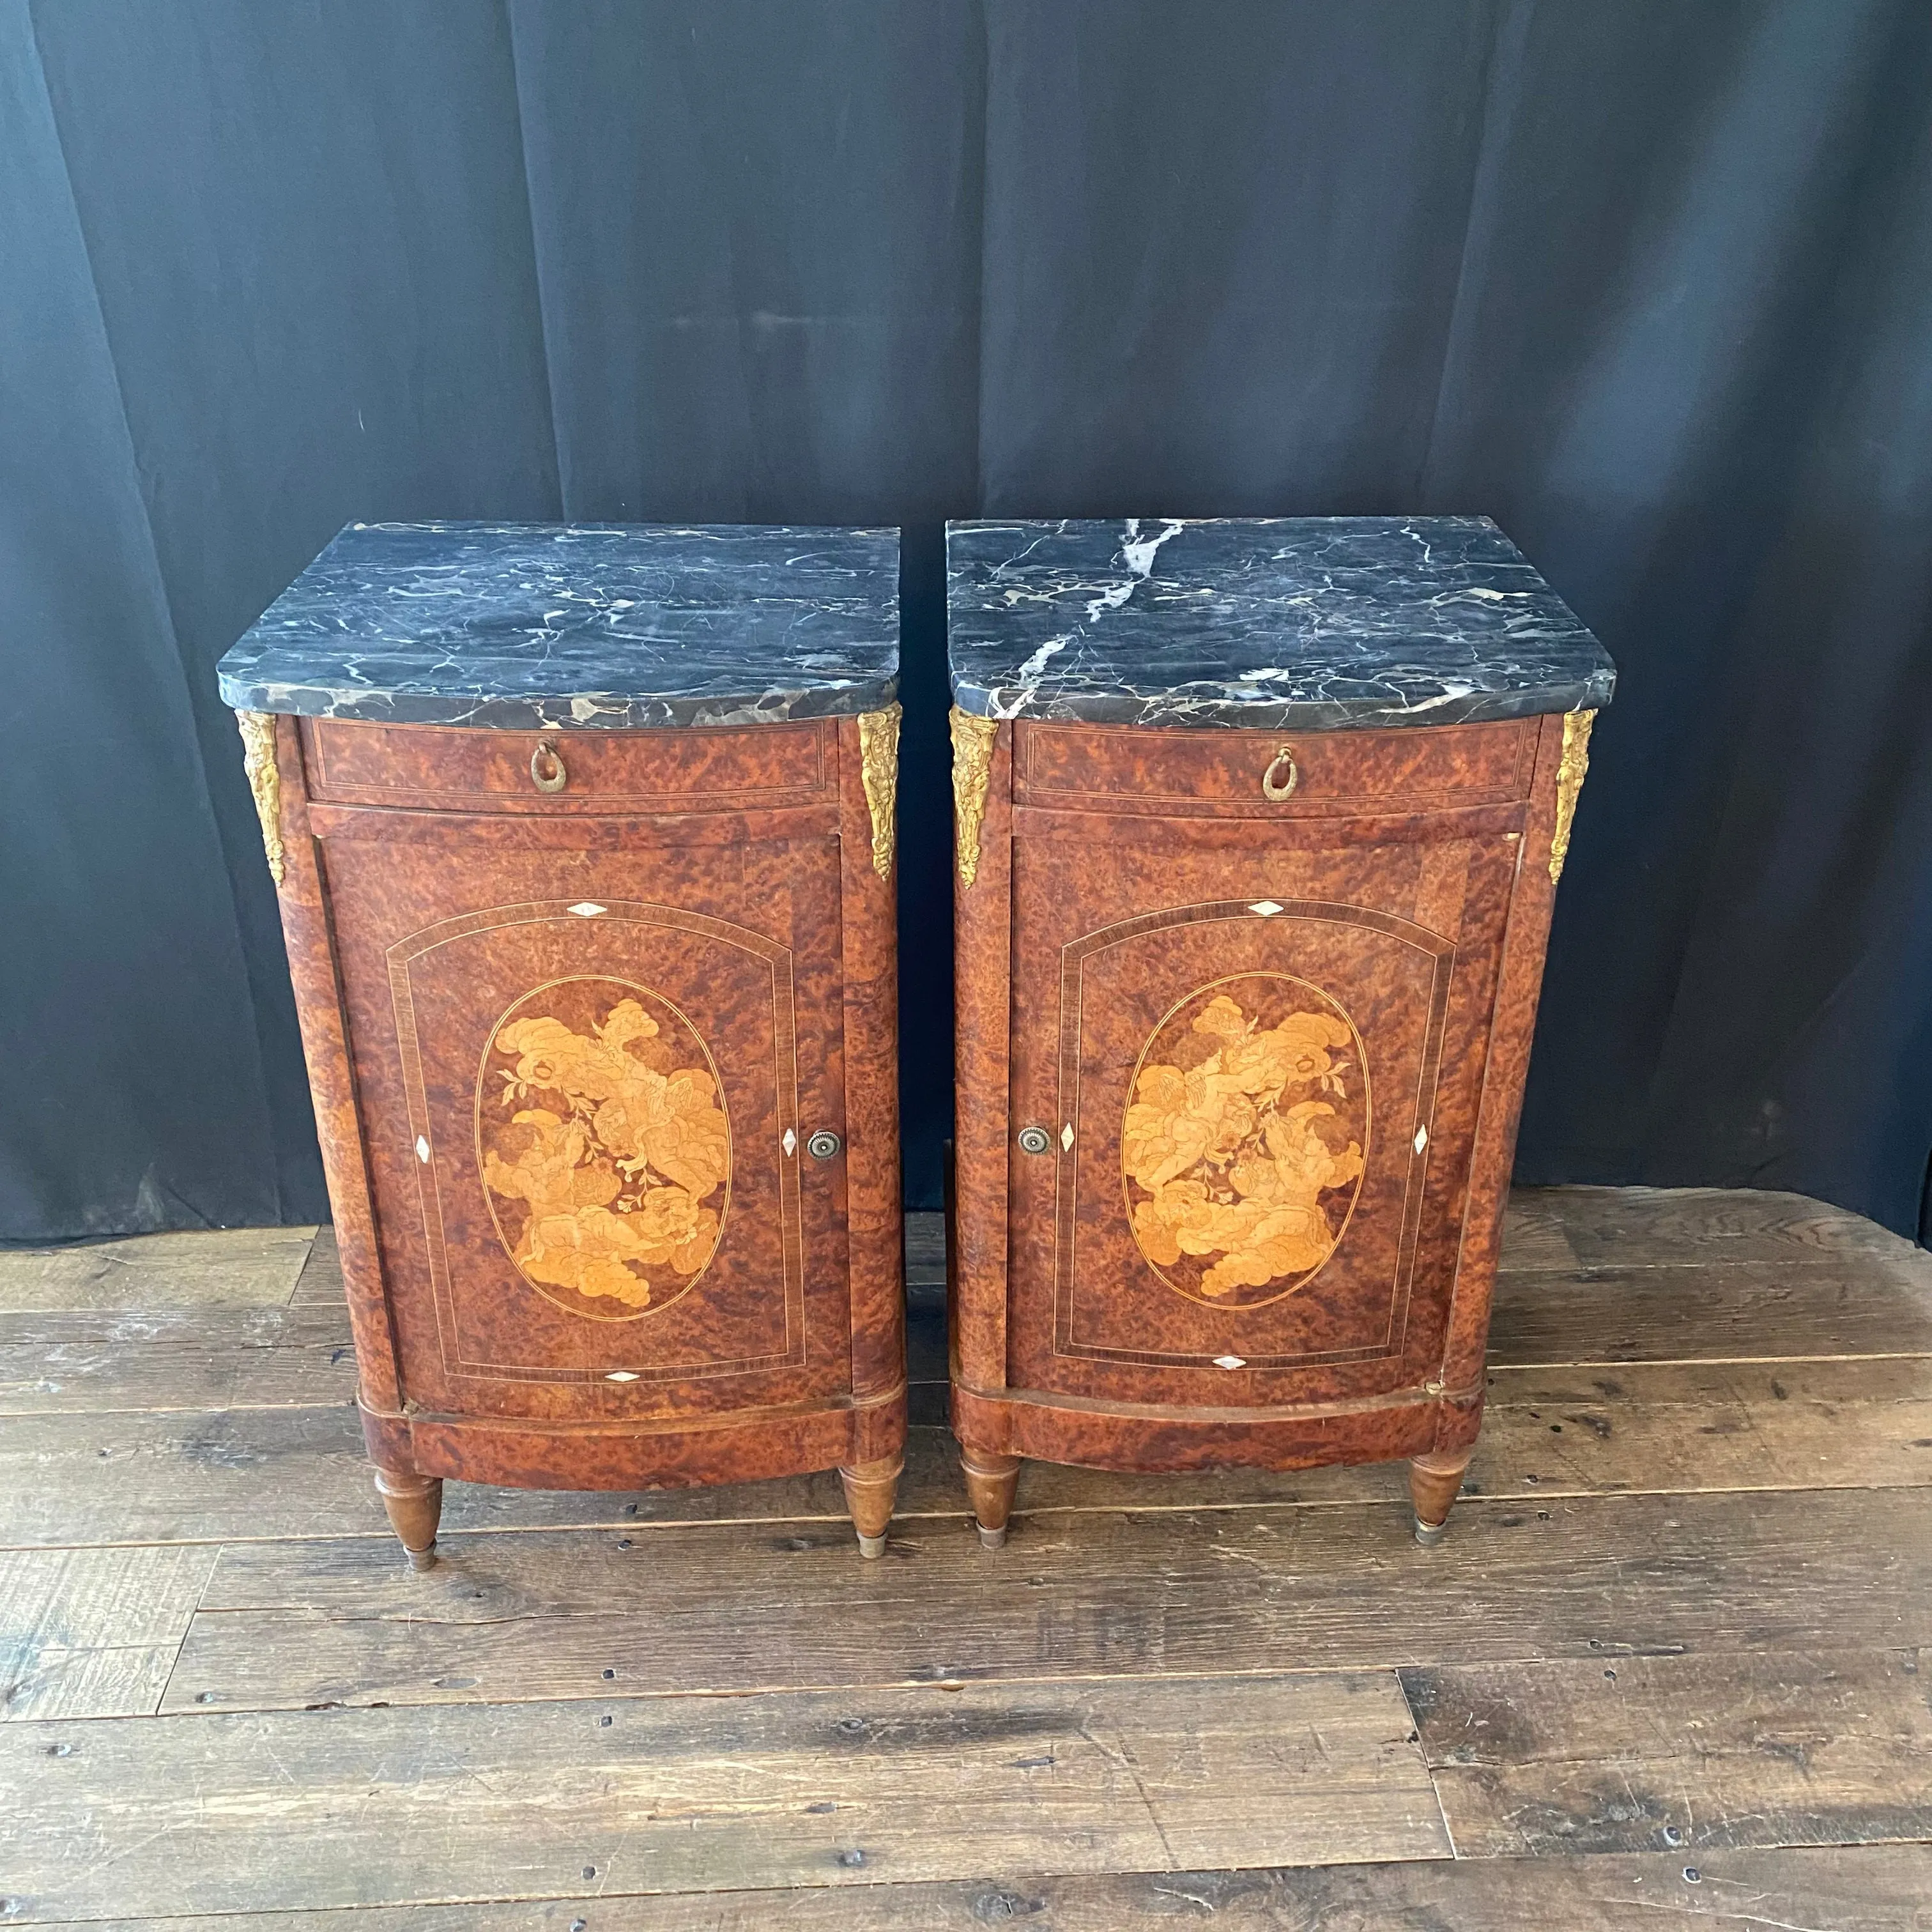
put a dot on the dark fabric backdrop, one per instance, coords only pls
(1649, 281)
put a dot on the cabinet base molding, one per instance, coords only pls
(413, 1453)
(1147, 1438)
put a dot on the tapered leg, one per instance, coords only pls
(415, 1504)
(870, 1488)
(1433, 1482)
(990, 1481)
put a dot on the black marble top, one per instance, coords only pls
(563, 625)
(1313, 622)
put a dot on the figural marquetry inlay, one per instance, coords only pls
(1569, 770)
(1244, 1140)
(879, 768)
(972, 769)
(604, 1146)
(265, 782)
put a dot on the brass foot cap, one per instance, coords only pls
(1428, 1534)
(871, 1546)
(423, 1559)
(992, 1539)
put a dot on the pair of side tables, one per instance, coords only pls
(583, 838)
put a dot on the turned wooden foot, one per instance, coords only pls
(870, 1488)
(415, 1504)
(990, 1481)
(1433, 1482)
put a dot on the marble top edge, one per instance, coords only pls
(1309, 622)
(580, 626)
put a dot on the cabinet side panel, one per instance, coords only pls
(1511, 1031)
(875, 1225)
(306, 928)
(983, 965)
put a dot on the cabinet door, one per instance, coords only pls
(588, 1065)
(1255, 1053)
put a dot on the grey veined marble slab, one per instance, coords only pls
(567, 625)
(1313, 622)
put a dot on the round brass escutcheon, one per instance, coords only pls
(547, 771)
(822, 1145)
(1035, 1140)
(1272, 791)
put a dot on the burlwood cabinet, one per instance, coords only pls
(600, 1028)
(1244, 1017)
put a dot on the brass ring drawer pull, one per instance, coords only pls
(547, 771)
(1270, 790)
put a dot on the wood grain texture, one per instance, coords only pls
(101, 1362)
(247, 1267)
(1132, 868)
(1865, 1888)
(320, 1284)
(1737, 1311)
(546, 1616)
(1758, 1589)
(1689, 1227)
(452, 768)
(307, 931)
(833, 1789)
(1512, 1027)
(1686, 1754)
(1119, 769)
(93, 1633)
(1660, 1428)
(711, 862)
(982, 1038)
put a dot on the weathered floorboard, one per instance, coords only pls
(706, 1608)
(840, 1788)
(154, 1476)
(98, 1362)
(1862, 1889)
(1703, 1469)
(1737, 1311)
(93, 1633)
(319, 1283)
(1667, 1227)
(234, 1267)
(1690, 1753)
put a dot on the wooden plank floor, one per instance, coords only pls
(1675, 1657)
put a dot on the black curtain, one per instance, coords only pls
(1649, 281)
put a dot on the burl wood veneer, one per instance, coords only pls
(600, 1016)
(1253, 887)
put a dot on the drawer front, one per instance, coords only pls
(450, 769)
(1272, 774)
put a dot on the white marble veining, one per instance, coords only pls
(576, 626)
(1313, 622)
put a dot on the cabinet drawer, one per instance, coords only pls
(1308, 774)
(445, 768)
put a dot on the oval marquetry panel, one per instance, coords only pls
(1243, 1144)
(604, 1146)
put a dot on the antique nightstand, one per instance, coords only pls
(584, 839)
(1258, 827)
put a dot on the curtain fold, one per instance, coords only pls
(1651, 284)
